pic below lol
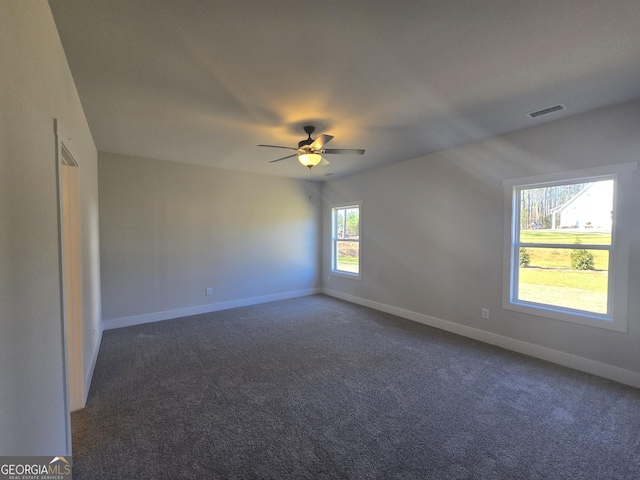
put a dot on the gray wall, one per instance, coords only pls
(170, 230)
(35, 87)
(433, 226)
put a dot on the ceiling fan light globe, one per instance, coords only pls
(309, 159)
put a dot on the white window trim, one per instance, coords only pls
(618, 261)
(340, 273)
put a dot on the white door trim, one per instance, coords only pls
(70, 273)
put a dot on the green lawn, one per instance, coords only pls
(595, 281)
(561, 258)
(549, 278)
(564, 236)
(347, 260)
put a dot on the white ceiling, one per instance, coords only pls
(204, 82)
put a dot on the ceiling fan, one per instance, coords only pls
(310, 151)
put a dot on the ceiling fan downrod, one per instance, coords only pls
(309, 129)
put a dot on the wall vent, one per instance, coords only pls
(546, 111)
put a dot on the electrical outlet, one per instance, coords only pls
(485, 313)
(209, 291)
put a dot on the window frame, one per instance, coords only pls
(616, 317)
(334, 240)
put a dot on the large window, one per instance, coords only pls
(345, 255)
(567, 246)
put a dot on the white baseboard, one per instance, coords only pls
(212, 307)
(621, 375)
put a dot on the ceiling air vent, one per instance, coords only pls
(546, 111)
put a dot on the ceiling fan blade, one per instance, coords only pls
(278, 146)
(284, 158)
(321, 141)
(344, 151)
(323, 162)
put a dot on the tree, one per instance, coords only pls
(525, 259)
(537, 203)
(581, 259)
(353, 223)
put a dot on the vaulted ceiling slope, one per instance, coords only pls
(204, 82)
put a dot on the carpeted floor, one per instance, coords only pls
(317, 388)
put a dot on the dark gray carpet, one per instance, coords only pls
(318, 388)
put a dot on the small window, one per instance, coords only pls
(346, 228)
(567, 246)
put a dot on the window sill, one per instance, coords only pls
(579, 317)
(354, 276)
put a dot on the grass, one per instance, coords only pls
(565, 236)
(560, 258)
(549, 278)
(347, 260)
(575, 298)
(594, 281)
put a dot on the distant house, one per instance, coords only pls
(592, 207)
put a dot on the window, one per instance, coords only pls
(345, 248)
(567, 245)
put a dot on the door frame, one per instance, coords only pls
(67, 173)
